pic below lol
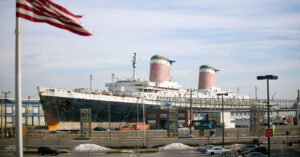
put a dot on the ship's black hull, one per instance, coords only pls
(59, 109)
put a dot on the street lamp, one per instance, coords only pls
(223, 126)
(268, 77)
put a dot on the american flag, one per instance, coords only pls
(48, 12)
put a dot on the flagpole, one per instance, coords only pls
(19, 137)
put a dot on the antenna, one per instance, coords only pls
(273, 96)
(113, 77)
(298, 97)
(255, 92)
(113, 80)
(134, 66)
(91, 79)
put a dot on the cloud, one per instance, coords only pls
(239, 37)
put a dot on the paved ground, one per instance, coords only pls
(168, 153)
(288, 152)
(66, 142)
(277, 150)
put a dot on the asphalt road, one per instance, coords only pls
(138, 142)
(275, 152)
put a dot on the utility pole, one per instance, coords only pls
(109, 119)
(1, 119)
(5, 100)
(26, 114)
(191, 102)
(223, 125)
(144, 118)
(138, 113)
(137, 109)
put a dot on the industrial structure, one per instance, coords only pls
(32, 114)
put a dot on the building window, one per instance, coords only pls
(35, 109)
(35, 120)
(23, 120)
(164, 115)
(9, 119)
(29, 120)
(181, 115)
(42, 120)
(9, 109)
(23, 109)
(181, 123)
(152, 122)
(151, 115)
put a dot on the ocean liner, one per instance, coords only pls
(125, 97)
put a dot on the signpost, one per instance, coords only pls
(269, 132)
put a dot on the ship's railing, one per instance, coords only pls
(229, 103)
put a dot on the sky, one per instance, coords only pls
(243, 39)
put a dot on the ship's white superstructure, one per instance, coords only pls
(125, 98)
(152, 90)
(134, 90)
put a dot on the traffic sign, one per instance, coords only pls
(269, 132)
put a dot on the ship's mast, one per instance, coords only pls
(91, 79)
(134, 66)
(113, 81)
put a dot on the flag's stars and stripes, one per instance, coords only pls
(48, 12)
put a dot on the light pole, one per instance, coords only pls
(222, 94)
(268, 77)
